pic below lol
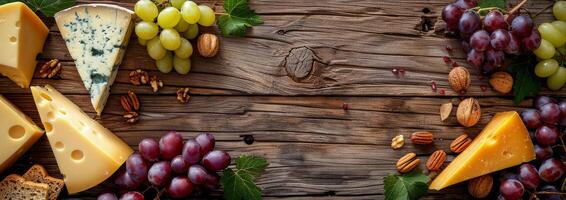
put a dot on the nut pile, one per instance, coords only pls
(131, 105)
(141, 77)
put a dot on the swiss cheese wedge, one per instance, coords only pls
(86, 152)
(503, 143)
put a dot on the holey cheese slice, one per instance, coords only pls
(96, 36)
(17, 133)
(86, 152)
(503, 143)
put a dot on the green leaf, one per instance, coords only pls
(526, 82)
(239, 17)
(492, 3)
(408, 186)
(239, 184)
(47, 7)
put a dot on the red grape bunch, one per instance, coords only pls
(177, 167)
(488, 40)
(547, 171)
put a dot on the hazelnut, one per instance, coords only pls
(469, 112)
(481, 186)
(208, 45)
(501, 82)
(459, 79)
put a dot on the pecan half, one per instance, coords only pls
(125, 102)
(131, 105)
(131, 117)
(139, 77)
(460, 143)
(407, 163)
(183, 95)
(422, 137)
(134, 100)
(155, 83)
(50, 69)
(436, 160)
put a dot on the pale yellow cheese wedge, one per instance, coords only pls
(86, 152)
(503, 143)
(17, 133)
(22, 35)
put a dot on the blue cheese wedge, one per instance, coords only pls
(96, 36)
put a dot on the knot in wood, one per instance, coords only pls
(299, 63)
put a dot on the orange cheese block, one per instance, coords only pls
(22, 35)
(503, 143)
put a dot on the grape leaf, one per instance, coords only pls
(492, 3)
(526, 82)
(239, 184)
(408, 186)
(238, 18)
(47, 7)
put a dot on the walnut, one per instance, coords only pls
(469, 112)
(459, 79)
(183, 95)
(501, 82)
(208, 45)
(139, 77)
(155, 83)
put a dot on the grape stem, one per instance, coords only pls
(517, 7)
(220, 13)
(542, 10)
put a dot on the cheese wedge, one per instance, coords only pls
(96, 36)
(86, 152)
(503, 143)
(18, 133)
(22, 35)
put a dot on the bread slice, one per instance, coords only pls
(14, 187)
(38, 174)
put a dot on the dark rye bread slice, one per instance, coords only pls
(14, 187)
(38, 174)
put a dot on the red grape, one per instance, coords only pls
(170, 145)
(543, 153)
(179, 165)
(522, 25)
(514, 46)
(137, 167)
(191, 152)
(543, 100)
(551, 170)
(499, 39)
(206, 142)
(451, 15)
(531, 118)
(562, 107)
(149, 149)
(480, 40)
(132, 196)
(467, 4)
(159, 173)
(466, 46)
(216, 160)
(546, 135)
(469, 22)
(494, 20)
(123, 180)
(550, 113)
(511, 189)
(180, 187)
(528, 175)
(475, 58)
(107, 196)
(487, 68)
(212, 180)
(532, 41)
(495, 58)
(197, 174)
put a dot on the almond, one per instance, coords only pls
(422, 137)
(445, 110)
(501, 82)
(436, 160)
(481, 186)
(460, 143)
(407, 163)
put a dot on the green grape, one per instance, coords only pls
(155, 49)
(192, 33)
(168, 17)
(557, 80)
(185, 50)
(545, 50)
(146, 10)
(546, 68)
(146, 30)
(182, 66)
(551, 34)
(190, 12)
(142, 41)
(207, 16)
(177, 3)
(559, 10)
(182, 26)
(170, 39)
(562, 50)
(165, 65)
(560, 25)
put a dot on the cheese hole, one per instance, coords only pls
(13, 39)
(18, 23)
(507, 154)
(50, 116)
(16, 132)
(45, 96)
(77, 155)
(59, 146)
(48, 127)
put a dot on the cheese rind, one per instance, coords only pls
(17, 133)
(86, 152)
(22, 35)
(503, 143)
(96, 36)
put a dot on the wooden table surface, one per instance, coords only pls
(285, 84)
